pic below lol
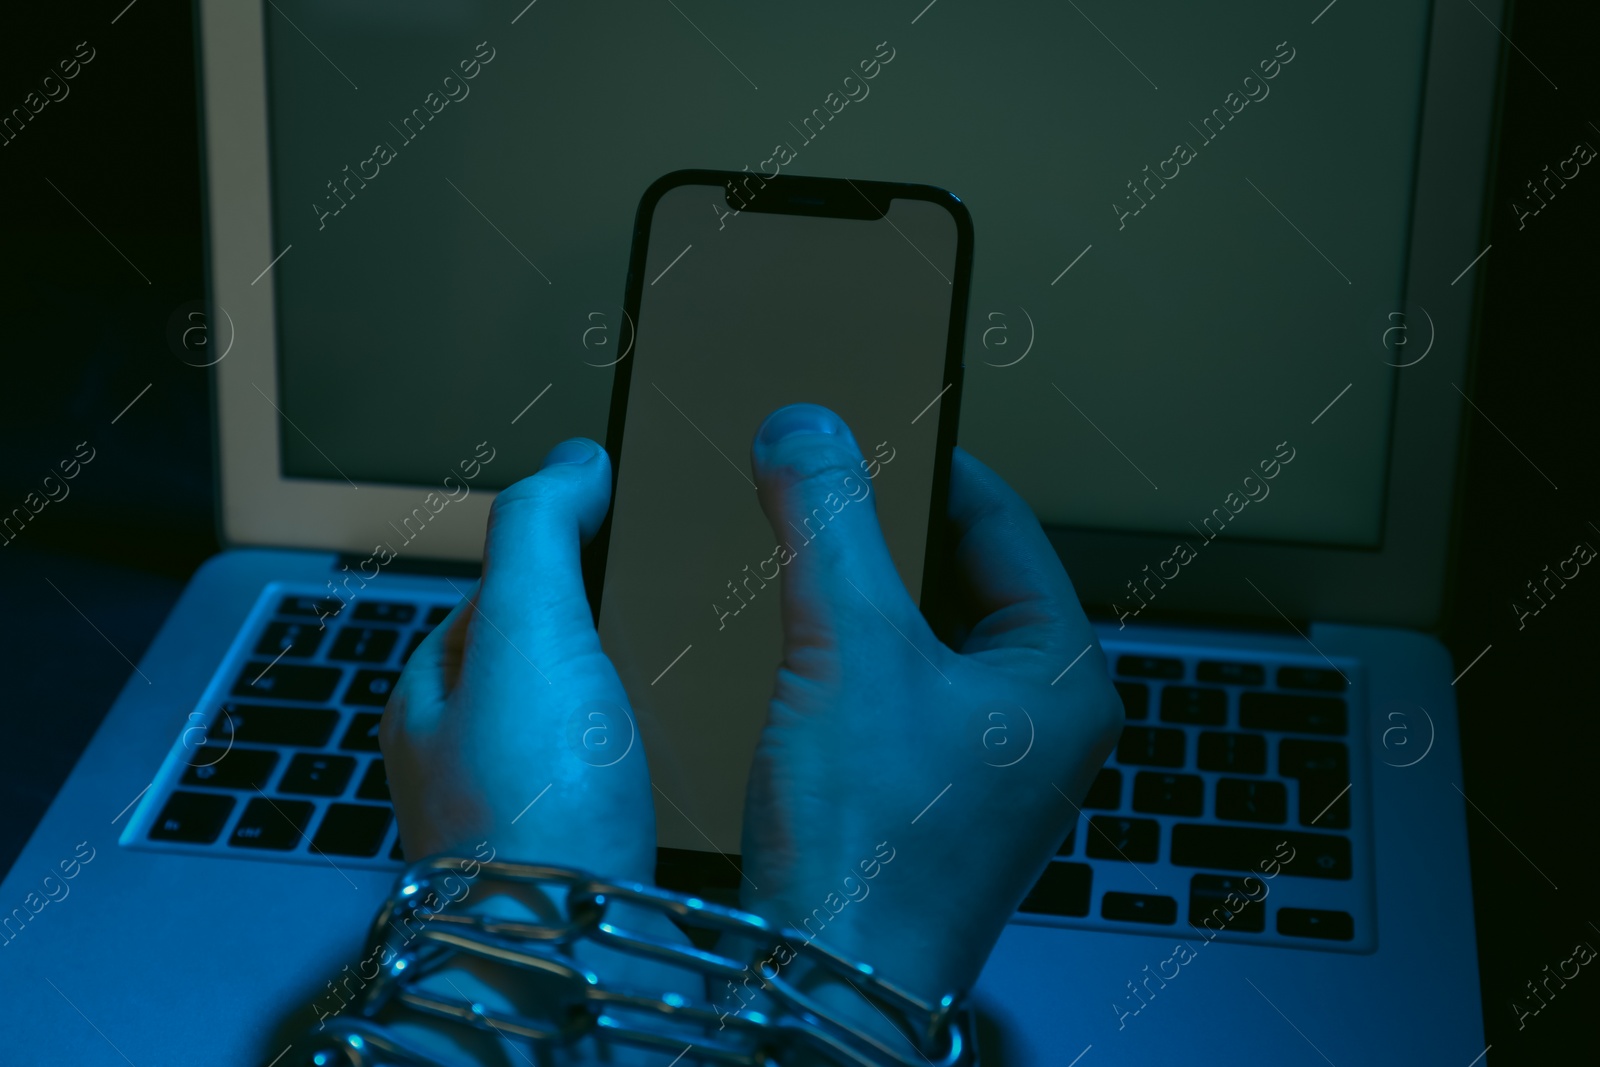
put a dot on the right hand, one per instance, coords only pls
(872, 718)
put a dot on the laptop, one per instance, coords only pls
(1222, 295)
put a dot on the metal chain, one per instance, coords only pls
(584, 1007)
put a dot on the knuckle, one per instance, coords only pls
(814, 473)
(1095, 705)
(536, 494)
(1103, 705)
(388, 730)
(392, 723)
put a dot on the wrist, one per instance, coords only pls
(496, 991)
(842, 997)
(845, 1001)
(903, 956)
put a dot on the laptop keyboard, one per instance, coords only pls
(1228, 764)
(1235, 807)
(282, 758)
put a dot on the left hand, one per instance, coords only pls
(511, 701)
(499, 702)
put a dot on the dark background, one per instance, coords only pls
(86, 331)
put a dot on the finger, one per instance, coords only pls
(437, 659)
(532, 594)
(1015, 581)
(429, 675)
(838, 575)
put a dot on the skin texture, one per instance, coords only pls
(491, 706)
(491, 709)
(871, 718)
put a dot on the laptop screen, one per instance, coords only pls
(1191, 227)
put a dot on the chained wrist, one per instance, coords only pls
(785, 998)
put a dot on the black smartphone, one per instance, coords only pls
(746, 293)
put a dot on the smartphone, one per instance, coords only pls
(746, 293)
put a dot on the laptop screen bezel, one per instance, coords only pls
(1401, 582)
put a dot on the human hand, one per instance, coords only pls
(485, 716)
(491, 714)
(874, 742)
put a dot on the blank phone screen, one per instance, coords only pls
(740, 315)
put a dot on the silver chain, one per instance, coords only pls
(582, 1006)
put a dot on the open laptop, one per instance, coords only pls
(1153, 331)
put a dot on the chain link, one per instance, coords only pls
(582, 1006)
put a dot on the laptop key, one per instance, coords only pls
(1208, 903)
(275, 824)
(1149, 667)
(395, 853)
(371, 688)
(1243, 848)
(289, 638)
(287, 681)
(1292, 713)
(317, 775)
(437, 614)
(1063, 889)
(237, 768)
(1151, 746)
(352, 830)
(1194, 706)
(1233, 753)
(193, 817)
(1139, 908)
(316, 607)
(385, 611)
(375, 786)
(268, 724)
(1168, 794)
(1325, 801)
(1298, 758)
(1246, 800)
(1230, 673)
(1135, 699)
(362, 734)
(1310, 922)
(1106, 792)
(1113, 838)
(364, 644)
(1311, 678)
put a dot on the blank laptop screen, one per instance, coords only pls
(1191, 227)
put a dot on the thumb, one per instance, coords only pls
(839, 581)
(532, 591)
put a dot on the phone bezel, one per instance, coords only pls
(813, 197)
